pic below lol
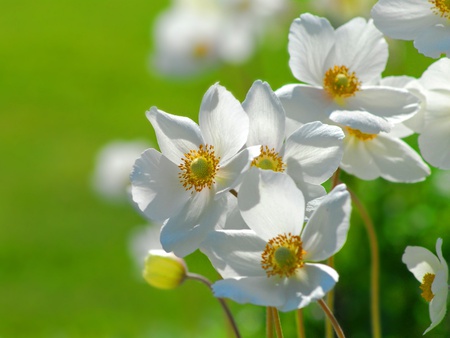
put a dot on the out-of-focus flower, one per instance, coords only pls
(434, 138)
(185, 185)
(432, 273)
(340, 11)
(273, 263)
(342, 68)
(195, 35)
(111, 178)
(310, 155)
(424, 21)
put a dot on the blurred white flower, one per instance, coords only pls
(186, 184)
(424, 21)
(195, 35)
(340, 11)
(274, 263)
(111, 177)
(432, 273)
(434, 138)
(142, 240)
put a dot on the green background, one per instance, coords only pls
(75, 75)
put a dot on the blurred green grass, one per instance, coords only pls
(73, 76)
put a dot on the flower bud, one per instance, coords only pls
(164, 270)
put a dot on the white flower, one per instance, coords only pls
(310, 155)
(186, 183)
(342, 68)
(424, 21)
(342, 10)
(273, 263)
(111, 178)
(432, 273)
(434, 139)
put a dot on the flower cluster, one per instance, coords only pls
(245, 184)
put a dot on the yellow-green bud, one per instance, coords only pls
(164, 270)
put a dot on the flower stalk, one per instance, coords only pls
(332, 318)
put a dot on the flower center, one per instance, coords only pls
(199, 168)
(268, 159)
(283, 255)
(441, 8)
(200, 50)
(427, 280)
(339, 83)
(360, 135)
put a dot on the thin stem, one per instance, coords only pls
(300, 324)
(335, 178)
(234, 192)
(276, 320)
(269, 322)
(332, 318)
(222, 302)
(375, 266)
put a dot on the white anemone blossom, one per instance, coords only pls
(310, 155)
(434, 138)
(427, 22)
(432, 273)
(274, 262)
(342, 69)
(185, 185)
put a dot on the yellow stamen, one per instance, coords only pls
(441, 8)
(339, 83)
(201, 50)
(269, 159)
(427, 281)
(283, 255)
(360, 135)
(199, 168)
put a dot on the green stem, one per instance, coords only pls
(269, 322)
(222, 302)
(276, 320)
(332, 318)
(375, 266)
(300, 324)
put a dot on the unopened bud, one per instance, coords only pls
(164, 270)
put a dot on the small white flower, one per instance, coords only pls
(432, 273)
(434, 139)
(274, 263)
(185, 185)
(310, 155)
(342, 69)
(111, 178)
(427, 22)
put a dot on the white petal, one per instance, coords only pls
(390, 158)
(362, 48)
(420, 261)
(438, 305)
(235, 253)
(223, 122)
(230, 174)
(311, 283)
(434, 41)
(326, 231)
(254, 290)
(314, 151)
(155, 186)
(266, 115)
(304, 103)
(176, 135)
(361, 120)
(309, 191)
(310, 40)
(271, 203)
(183, 233)
(437, 75)
(393, 104)
(441, 258)
(434, 143)
(401, 19)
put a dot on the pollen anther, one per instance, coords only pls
(427, 281)
(283, 255)
(199, 168)
(339, 83)
(269, 159)
(360, 135)
(441, 8)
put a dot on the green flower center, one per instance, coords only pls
(340, 83)
(268, 159)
